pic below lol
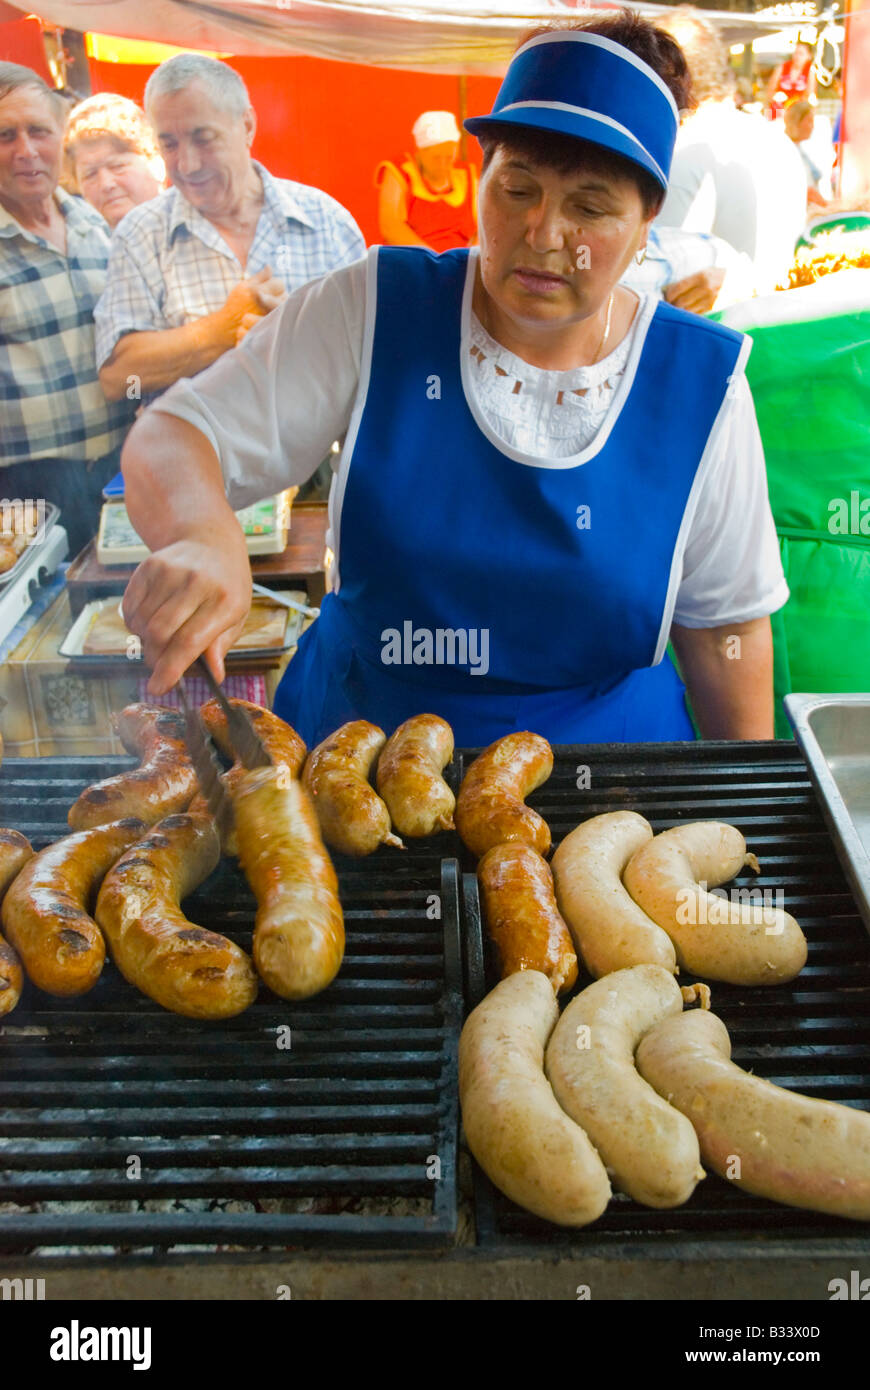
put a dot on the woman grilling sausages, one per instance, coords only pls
(544, 476)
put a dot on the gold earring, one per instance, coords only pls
(639, 259)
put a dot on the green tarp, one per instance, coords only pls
(809, 371)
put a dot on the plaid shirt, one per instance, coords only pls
(51, 402)
(169, 265)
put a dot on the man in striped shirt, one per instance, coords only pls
(60, 438)
(192, 270)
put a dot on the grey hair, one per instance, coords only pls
(14, 76)
(226, 89)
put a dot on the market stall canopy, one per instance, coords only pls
(429, 35)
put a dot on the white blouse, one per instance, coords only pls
(272, 408)
(540, 411)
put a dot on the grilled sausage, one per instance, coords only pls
(353, 818)
(650, 1149)
(610, 931)
(490, 808)
(186, 968)
(15, 851)
(773, 1142)
(163, 784)
(45, 912)
(739, 942)
(409, 776)
(514, 1125)
(299, 931)
(519, 908)
(280, 741)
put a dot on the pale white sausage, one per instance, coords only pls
(650, 1149)
(515, 1128)
(773, 1142)
(610, 931)
(743, 942)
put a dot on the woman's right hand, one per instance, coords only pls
(188, 600)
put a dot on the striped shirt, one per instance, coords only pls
(170, 265)
(51, 402)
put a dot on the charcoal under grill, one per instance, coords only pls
(811, 1035)
(350, 1116)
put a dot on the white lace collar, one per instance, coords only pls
(510, 369)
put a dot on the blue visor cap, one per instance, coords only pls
(587, 86)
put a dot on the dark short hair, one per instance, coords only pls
(14, 76)
(567, 154)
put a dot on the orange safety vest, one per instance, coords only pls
(443, 220)
(794, 83)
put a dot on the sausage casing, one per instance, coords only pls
(163, 784)
(515, 1127)
(409, 776)
(490, 808)
(299, 931)
(610, 931)
(183, 967)
(519, 908)
(15, 851)
(353, 819)
(742, 942)
(776, 1143)
(650, 1149)
(45, 912)
(280, 741)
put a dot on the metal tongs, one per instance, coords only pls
(244, 742)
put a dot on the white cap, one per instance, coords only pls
(435, 128)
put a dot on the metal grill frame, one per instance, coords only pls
(158, 1232)
(635, 777)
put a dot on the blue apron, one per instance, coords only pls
(500, 592)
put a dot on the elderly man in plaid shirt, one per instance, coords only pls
(192, 270)
(59, 437)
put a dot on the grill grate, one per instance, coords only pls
(812, 1034)
(327, 1141)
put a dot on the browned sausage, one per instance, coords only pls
(163, 784)
(352, 817)
(15, 851)
(409, 776)
(45, 912)
(280, 741)
(519, 908)
(299, 931)
(490, 808)
(186, 968)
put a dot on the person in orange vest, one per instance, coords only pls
(793, 80)
(429, 200)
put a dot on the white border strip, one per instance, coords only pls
(591, 116)
(617, 49)
(339, 483)
(704, 466)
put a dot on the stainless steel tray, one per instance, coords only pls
(833, 732)
(52, 513)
